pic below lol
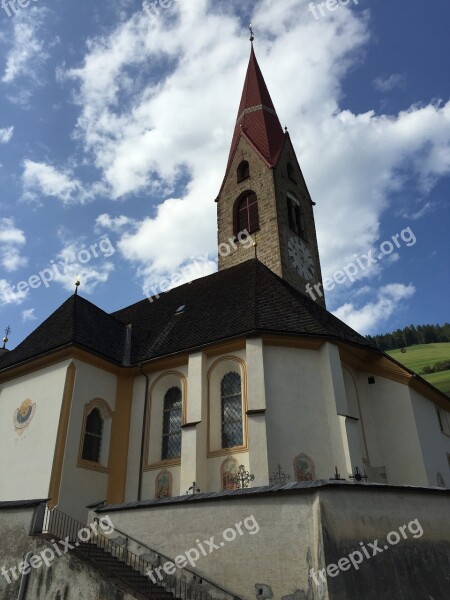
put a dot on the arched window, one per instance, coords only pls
(246, 213)
(171, 437)
(231, 411)
(295, 216)
(243, 171)
(290, 172)
(93, 436)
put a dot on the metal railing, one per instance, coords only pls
(184, 583)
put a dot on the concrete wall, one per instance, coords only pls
(309, 528)
(26, 457)
(411, 565)
(66, 578)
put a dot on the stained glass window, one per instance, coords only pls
(171, 439)
(93, 436)
(231, 397)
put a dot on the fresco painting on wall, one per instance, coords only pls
(23, 415)
(163, 485)
(304, 468)
(228, 471)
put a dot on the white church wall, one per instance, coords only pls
(298, 417)
(391, 430)
(134, 447)
(159, 383)
(81, 486)
(435, 445)
(28, 447)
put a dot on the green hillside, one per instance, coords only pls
(422, 355)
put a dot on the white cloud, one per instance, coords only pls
(6, 134)
(28, 315)
(8, 295)
(27, 49)
(369, 317)
(78, 258)
(115, 224)
(387, 84)
(151, 132)
(43, 179)
(11, 240)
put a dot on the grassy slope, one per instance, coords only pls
(417, 357)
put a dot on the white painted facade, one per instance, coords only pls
(296, 402)
(26, 455)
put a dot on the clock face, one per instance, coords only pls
(301, 259)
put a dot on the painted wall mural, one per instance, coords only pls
(304, 469)
(228, 471)
(23, 415)
(163, 485)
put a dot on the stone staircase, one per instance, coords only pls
(124, 576)
(113, 559)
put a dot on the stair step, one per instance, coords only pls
(123, 575)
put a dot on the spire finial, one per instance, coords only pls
(77, 285)
(5, 339)
(252, 36)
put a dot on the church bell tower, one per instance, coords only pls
(264, 193)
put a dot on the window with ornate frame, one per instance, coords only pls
(227, 423)
(93, 431)
(246, 216)
(172, 421)
(95, 435)
(231, 411)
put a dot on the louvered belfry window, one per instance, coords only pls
(247, 213)
(93, 436)
(171, 438)
(231, 411)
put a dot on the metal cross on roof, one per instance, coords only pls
(279, 476)
(337, 476)
(5, 339)
(252, 35)
(194, 489)
(357, 475)
(242, 478)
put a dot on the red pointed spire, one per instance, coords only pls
(257, 119)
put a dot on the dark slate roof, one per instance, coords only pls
(76, 321)
(245, 299)
(279, 488)
(11, 504)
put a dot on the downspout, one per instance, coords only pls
(25, 578)
(144, 424)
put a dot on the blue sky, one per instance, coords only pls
(116, 125)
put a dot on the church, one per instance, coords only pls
(234, 392)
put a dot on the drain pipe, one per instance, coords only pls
(144, 425)
(25, 578)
